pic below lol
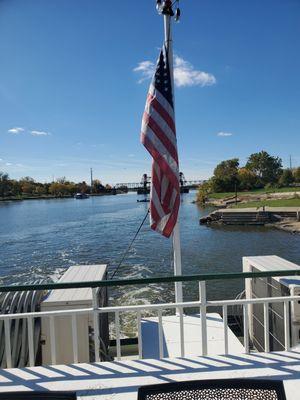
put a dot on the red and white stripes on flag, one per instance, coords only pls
(159, 137)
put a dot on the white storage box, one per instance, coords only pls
(66, 299)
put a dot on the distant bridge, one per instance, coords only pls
(134, 186)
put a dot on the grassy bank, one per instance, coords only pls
(223, 195)
(270, 203)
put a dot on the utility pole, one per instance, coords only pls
(91, 180)
(290, 162)
(235, 189)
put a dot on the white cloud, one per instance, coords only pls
(61, 165)
(224, 134)
(184, 73)
(8, 164)
(40, 133)
(146, 68)
(16, 130)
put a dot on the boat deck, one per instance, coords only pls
(191, 333)
(120, 379)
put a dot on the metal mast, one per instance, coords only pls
(166, 9)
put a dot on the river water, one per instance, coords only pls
(41, 238)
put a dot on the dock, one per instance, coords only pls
(251, 216)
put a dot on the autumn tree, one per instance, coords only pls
(203, 192)
(247, 179)
(27, 185)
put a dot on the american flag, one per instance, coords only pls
(159, 137)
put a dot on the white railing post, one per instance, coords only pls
(30, 341)
(225, 322)
(140, 339)
(286, 325)
(181, 324)
(266, 327)
(160, 334)
(246, 329)
(202, 295)
(118, 340)
(7, 343)
(96, 324)
(74, 338)
(52, 340)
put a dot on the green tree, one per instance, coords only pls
(27, 179)
(16, 188)
(225, 176)
(296, 174)
(71, 188)
(40, 190)
(266, 167)
(4, 184)
(97, 186)
(286, 177)
(82, 187)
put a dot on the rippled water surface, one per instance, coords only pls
(42, 238)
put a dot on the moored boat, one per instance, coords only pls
(79, 196)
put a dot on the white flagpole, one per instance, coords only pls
(176, 231)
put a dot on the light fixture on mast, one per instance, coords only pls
(177, 14)
(159, 6)
(165, 7)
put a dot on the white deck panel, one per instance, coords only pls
(192, 336)
(121, 380)
(274, 263)
(75, 273)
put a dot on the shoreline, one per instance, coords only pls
(287, 225)
(4, 199)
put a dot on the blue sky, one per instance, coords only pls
(72, 82)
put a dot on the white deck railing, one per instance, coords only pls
(201, 304)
